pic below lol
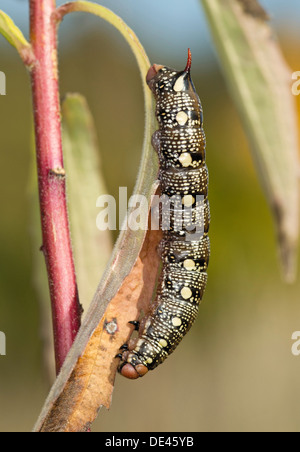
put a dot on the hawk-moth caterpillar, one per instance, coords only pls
(180, 144)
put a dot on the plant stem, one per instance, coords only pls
(66, 311)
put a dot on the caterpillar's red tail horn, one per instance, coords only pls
(189, 61)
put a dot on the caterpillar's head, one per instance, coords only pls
(162, 80)
(133, 372)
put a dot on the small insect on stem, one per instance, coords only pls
(184, 249)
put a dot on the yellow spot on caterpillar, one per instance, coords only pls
(182, 118)
(163, 342)
(189, 264)
(186, 293)
(179, 84)
(149, 360)
(176, 321)
(185, 159)
(188, 200)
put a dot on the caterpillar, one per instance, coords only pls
(180, 144)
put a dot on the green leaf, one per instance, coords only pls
(92, 248)
(130, 37)
(260, 85)
(16, 38)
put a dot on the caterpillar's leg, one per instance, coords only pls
(124, 347)
(135, 323)
(133, 369)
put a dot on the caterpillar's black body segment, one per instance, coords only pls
(184, 249)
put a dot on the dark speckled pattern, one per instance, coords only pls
(180, 144)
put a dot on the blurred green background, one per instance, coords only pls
(235, 370)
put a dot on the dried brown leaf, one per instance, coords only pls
(91, 382)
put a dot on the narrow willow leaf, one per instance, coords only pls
(124, 259)
(16, 38)
(92, 248)
(260, 84)
(132, 40)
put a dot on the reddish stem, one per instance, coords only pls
(56, 246)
